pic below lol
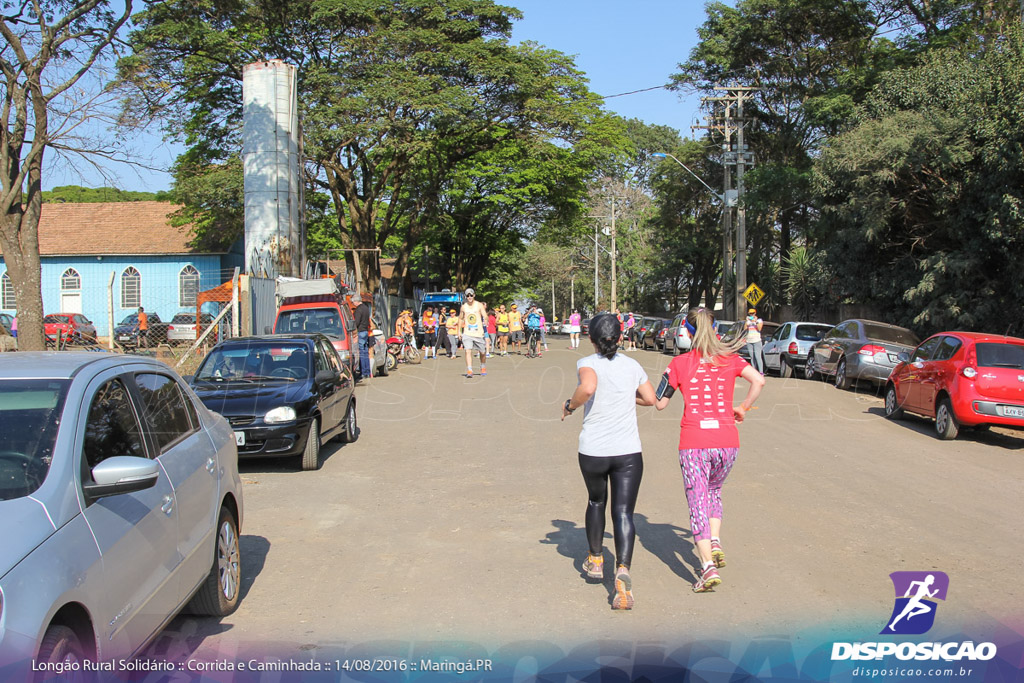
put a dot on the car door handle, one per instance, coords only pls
(168, 506)
(210, 465)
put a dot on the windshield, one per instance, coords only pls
(325, 320)
(55, 319)
(896, 335)
(30, 411)
(1000, 356)
(184, 319)
(133, 319)
(283, 361)
(811, 332)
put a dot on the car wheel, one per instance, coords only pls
(945, 421)
(311, 455)
(351, 424)
(893, 411)
(391, 362)
(842, 381)
(219, 593)
(785, 369)
(383, 369)
(675, 348)
(809, 372)
(61, 644)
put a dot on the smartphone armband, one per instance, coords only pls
(665, 390)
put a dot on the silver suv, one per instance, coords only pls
(787, 350)
(121, 504)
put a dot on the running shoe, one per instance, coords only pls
(623, 590)
(709, 578)
(593, 566)
(717, 554)
(469, 375)
(483, 373)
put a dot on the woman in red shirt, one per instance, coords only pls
(708, 439)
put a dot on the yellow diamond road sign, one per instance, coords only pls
(753, 294)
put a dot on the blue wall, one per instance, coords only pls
(159, 283)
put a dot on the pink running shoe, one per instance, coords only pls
(717, 554)
(623, 590)
(709, 578)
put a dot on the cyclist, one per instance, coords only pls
(533, 327)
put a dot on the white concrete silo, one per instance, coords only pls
(275, 231)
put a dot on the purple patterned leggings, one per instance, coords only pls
(704, 472)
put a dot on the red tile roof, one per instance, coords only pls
(114, 228)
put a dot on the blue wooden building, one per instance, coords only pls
(82, 245)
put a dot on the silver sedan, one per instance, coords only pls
(121, 504)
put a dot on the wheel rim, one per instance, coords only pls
(890, 401)
(941, 419)
(352, 419)
(227, 561)
(841, 374)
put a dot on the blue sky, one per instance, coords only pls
(621, 46)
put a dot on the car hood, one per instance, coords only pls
(27, 526)
(237, 399)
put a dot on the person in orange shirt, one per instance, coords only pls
(429, 333)
(143, 327)
(452, 326)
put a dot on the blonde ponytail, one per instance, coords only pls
(706, 342)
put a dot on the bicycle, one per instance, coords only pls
(532, 335)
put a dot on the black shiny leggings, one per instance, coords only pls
(625, 472)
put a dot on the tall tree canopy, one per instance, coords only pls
(395, 97)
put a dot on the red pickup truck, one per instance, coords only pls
(319, 306)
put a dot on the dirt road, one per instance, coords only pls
(457, 517)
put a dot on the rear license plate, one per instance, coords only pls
(1013, 411)
(239, 438)
(123, 337)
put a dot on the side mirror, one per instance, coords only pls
(326, 377)
(188, 378)
(903, 356)
(121, 474)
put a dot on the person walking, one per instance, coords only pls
(452, 328)
(610, 386)
(515, 326)
(361, 316)
(502, 322)
(492, 332)
(143, 328)
(543, 329)
(429, 333)
(574, 329)
(631, 331)
(708, 438)
(473, 328)
(752, 324)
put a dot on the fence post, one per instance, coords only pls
(234, 303)
(110, 312)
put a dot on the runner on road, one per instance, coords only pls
(611, 385)
(502, 322)
(492, 332)
(574, 329)
(452, 327)
(473, 328)
(708, 439)
(515, 326)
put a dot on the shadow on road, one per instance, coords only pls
(292, 463)
(669, 543)
(1003, 438)
(186, 632)
(571, 541)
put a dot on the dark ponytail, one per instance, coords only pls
(605, 332)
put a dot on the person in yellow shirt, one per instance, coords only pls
(515, 326)
(452, 327)
(502, 322)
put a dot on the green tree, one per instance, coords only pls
(394, 96)
(75, 194)
(921, 200)
(49, 58)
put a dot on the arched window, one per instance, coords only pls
(188, 286)
(131, 288)
(70, 281)
(8, 293)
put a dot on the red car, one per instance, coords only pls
(73, 326)
(962, 379)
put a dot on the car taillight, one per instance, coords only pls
(170, 328)
(969, 372)
(793, 349)
(871, 349)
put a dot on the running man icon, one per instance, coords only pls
(919, 591)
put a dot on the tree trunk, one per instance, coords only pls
(19, 239)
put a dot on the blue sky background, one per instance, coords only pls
(621, 46)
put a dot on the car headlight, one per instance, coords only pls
(282, 414)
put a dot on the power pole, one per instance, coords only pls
(615, 302)
(732, 121)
